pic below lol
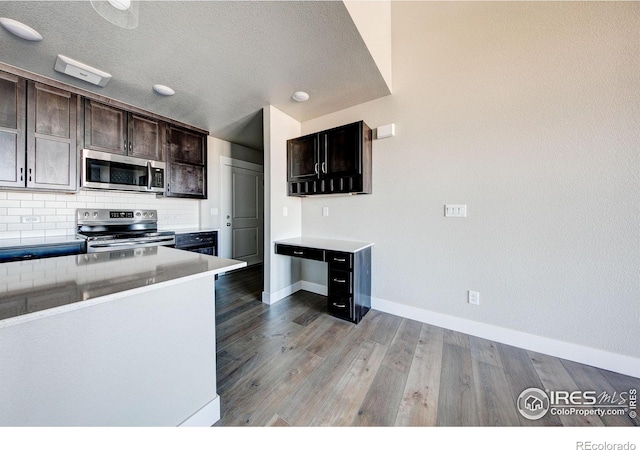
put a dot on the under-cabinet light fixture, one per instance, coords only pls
(20, 29)
(83, 72)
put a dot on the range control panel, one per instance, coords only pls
(112, 216)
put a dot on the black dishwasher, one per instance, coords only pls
(205, 242)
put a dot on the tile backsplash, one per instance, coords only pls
(42, 214)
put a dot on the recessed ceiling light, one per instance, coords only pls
(122, 5)
(163, 90)
(123, 13)
(20, 29)
(300, 96)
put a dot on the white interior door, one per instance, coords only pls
(242, 202)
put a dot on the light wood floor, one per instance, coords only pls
(291, 364)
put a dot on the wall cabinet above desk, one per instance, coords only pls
(335, 161)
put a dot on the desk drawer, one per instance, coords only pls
(340, 260)
(300, 252)
(341, 307)
(340, 282)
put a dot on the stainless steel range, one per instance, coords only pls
(108, 229)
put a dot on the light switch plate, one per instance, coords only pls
(325, 210)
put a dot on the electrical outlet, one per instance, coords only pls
(30, 219)
(285, 211)
(473, 297)
(455, 210)
(325, 210)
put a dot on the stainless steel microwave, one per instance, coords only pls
(102, 170)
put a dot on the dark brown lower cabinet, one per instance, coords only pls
(349, 278)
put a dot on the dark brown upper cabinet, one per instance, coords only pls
(52, 153)
(38, 136)
(13, 125)
(113, 130)
(334, 161)
(186, 163)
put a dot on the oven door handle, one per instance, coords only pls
(131, 243)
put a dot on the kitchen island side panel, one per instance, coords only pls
(147, 358)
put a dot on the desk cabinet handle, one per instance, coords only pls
(338, 305)
(338, 280)
(339, 260)
(298, 253)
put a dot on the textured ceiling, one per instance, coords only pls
(225, 60)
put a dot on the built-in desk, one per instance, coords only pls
(349, 274)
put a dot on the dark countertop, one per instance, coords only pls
(39, 241)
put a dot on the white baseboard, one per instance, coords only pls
(271, 298)
(314, 287)
(573, 352)
(205, 416)
(598, 358)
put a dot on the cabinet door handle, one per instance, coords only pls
(298, 253)
(324, 167)
(21, 174)
(29, 173)
(315, 168)
(339, 305)
(338, 280)
(339, 260)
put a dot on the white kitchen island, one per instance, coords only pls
(110, 339)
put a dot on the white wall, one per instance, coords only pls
(528, 113)
(281, 273)
(373, 20)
